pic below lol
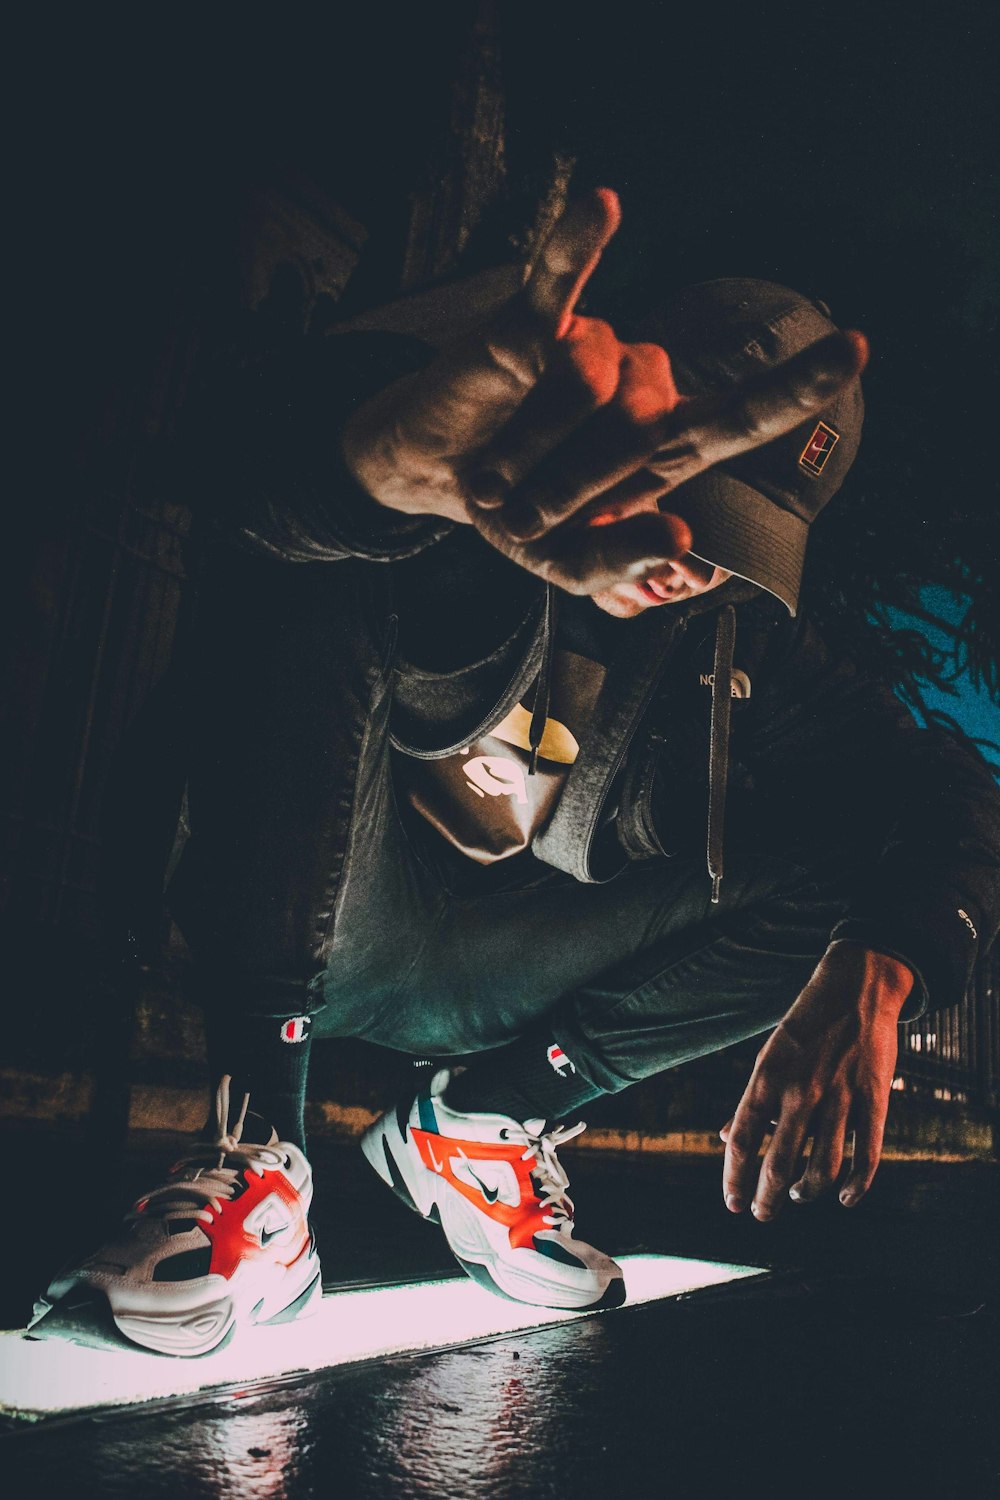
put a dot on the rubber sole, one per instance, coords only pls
(614, 1293)
(83, 1315)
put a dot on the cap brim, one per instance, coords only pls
(737, 528)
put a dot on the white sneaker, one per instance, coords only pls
(499, 1193)
(224, 1242)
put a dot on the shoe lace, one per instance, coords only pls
(548, 1173)
(209, 1175)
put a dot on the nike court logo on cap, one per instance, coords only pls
(821, 444)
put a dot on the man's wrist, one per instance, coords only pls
(887, 978)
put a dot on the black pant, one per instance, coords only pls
(303, 889)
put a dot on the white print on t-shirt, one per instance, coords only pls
(495, 775)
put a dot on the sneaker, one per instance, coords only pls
(499, 1193)
(222, 1244)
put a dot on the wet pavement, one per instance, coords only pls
(868, 1362)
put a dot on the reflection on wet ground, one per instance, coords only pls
(872, 1359)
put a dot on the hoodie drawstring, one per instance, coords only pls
(718, 749)
(543, 682)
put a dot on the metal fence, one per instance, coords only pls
(953, 1054)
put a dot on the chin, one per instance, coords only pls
(624, 605)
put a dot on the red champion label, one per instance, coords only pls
(296, 1030)
(819, 447)
(559, 1060)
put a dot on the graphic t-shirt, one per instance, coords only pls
(483, 799)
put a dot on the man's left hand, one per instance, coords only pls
(826, 1070)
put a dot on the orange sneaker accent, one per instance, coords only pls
(524, 1221)
(232, 1242)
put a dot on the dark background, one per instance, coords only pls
(849, 152)
(191, 182)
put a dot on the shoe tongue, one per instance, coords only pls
(256, 1130)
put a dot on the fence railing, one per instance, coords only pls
(954, 1053)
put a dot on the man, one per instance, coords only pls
(452, 781)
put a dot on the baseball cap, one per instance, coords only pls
(751, 515)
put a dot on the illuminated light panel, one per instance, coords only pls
(41, 1378)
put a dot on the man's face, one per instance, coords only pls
(681, 579)
(678, 580)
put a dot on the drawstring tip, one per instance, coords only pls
(716, 887)
(532, 760)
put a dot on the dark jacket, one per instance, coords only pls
(816, 754)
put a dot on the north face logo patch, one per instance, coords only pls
(739, 683)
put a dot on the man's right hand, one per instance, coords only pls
(556, 440)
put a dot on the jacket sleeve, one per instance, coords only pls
(262, 456)
(838, 740)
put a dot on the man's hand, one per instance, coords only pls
(826, 1070)
(543, 422)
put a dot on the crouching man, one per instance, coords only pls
(512, 747)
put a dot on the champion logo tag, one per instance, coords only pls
(817, 451)
(559, 1060)
(297, 1029)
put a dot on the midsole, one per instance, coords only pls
(178, 1329)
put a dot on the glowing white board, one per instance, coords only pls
(40, 1378)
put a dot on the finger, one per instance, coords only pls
(572, 475)
(585, 560)
(568, 257)
(712, 429)
(724, 1132)
(629, 498)
(869, 1128)
(746, 1132)
(827, 1155)
(467, 394)
(581, 376)
(781, 1160)
(695, 435)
